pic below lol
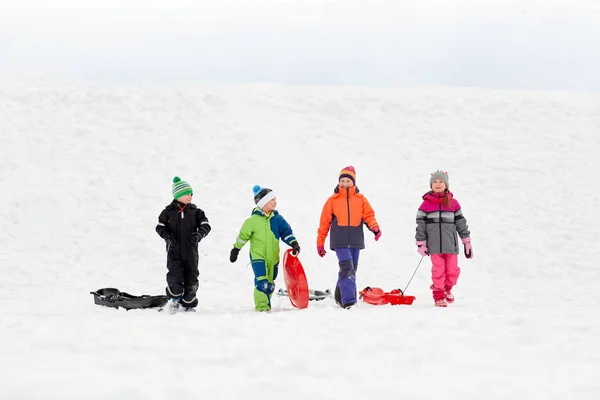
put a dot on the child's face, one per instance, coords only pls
(270, 206)
(187, 199)
(438, 186)
(346, 183)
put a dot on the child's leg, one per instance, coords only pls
(190, 274)
(438, 275)
(263, 285)
(175, 278)
(452, 271)
(355, 256)
(346, 277)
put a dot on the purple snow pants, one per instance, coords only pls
(346, 283)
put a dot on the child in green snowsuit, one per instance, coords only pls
(263, 229)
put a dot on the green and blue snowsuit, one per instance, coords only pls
(264, 231)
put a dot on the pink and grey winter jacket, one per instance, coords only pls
(438, 224)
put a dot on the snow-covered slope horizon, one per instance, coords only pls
(87, 166)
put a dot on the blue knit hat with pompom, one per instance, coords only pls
(262, 196)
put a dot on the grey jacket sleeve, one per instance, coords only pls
(421, 233)
(461, 224)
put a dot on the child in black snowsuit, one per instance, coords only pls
(182, 225)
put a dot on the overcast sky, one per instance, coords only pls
(520, 44)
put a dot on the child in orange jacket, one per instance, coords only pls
(343, 215)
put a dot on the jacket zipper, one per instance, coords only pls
(441, 251)
(179, 225)
(267, 226)
(348, 204)
(178, 231)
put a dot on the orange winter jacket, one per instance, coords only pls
(343, 215)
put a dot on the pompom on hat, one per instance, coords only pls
(348, 172)
(262, 196)
(180, 188)
(439, 174)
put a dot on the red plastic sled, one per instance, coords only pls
(377, 296)
(295, 280)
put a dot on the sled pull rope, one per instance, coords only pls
(413, 275)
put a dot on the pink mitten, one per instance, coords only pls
(321, 250)
(377, 233)
(422, 248)
(468, 248)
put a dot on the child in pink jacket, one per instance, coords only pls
(439, 220)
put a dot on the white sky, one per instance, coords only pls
(523, 44)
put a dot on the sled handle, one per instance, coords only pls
(364, 290)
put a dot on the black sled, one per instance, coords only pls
(114, 298)
(312, 294)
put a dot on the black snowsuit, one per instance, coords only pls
(182, 227)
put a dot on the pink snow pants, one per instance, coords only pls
(444, 273)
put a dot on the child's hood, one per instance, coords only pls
(432, 202)
(258, 211)
(337, 191)
(437, 198)
(175, 205)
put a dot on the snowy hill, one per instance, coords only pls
(87, 167)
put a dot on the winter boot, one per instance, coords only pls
(174, 303)
(449, 297)
(337, 295)
(189, 299)
(348, 305)
(441, 303)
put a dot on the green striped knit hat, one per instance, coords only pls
(181, 188)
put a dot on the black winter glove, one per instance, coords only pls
(204, 230)
(234, 254)
(295, 248)
(195, 238)
(170, 239)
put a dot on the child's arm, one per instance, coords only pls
(285, 232)
(244, 235)
(325, 222)
(202, 223)
(161, 228)
(461, 222)
(369, 215)
(421, 234)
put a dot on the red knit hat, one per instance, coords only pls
(348, 172)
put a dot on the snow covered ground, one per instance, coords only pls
(86, 167)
